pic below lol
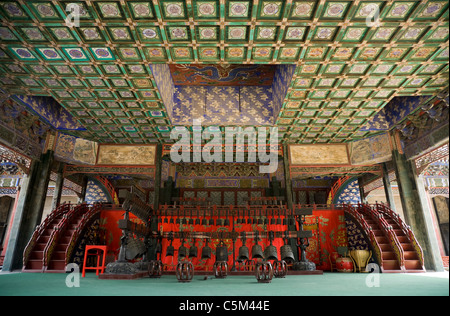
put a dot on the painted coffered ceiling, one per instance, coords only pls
(346, 65)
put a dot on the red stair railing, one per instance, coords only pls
(386, 211)
(93, 210)
(386, 228)
(350, 210)
(59, 231)
(60, 210)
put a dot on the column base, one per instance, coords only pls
(121, 267)
(304, 266)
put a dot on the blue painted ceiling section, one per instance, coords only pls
(223, 105)
(395, 112)
(49, 110)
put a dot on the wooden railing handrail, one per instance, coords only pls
(92, 210)
(386, 228)
(386, 211)
(58, 231)
(61, 209)
(349, 209)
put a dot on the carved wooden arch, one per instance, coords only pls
(22, 161)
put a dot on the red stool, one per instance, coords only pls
(99, 251)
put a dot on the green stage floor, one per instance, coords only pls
(328, 284)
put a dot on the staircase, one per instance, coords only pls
(52, 243)
(412, 252)
(34, 251)
(56, 260)
(394, 244)
(389, 263)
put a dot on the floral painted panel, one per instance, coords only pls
(220, 105)
(95, 192)
(50, 111)
(395, 111)
(348, 193)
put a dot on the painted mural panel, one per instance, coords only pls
(329, 233)
(222, 75)
(371, 150)
(126, 155)
(85, 151)
(318, 154)
(76, 150)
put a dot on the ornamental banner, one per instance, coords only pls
(329, 232)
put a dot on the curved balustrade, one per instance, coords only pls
(367, 230)
(85, 220)
(60, 210)
(383, 209)
(387, 230)
(335, 188)
(59, 231)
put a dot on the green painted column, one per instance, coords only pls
(151, 254)
(58, 187)
(289, 200)
(158, 166)
(10, 258)
(287, 177)
(82, 195)
(415, 207)
(362, 194)
(30, 206)
(388, 188)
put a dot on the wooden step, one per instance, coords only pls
(382, 239)
(407, 247)
(398, 232)
(388, 255)
(378, 232)
(59, 255)
(410, 255)
(61, 247)
(403, 239)
(56, 265)
(413, 265)
(385, 247)
(69, 232)
(65, 239)
(72, 227)
(47, 232)
(43, 239)
(39, 247)
(36, 255)
(390, 265)
(34, 264)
